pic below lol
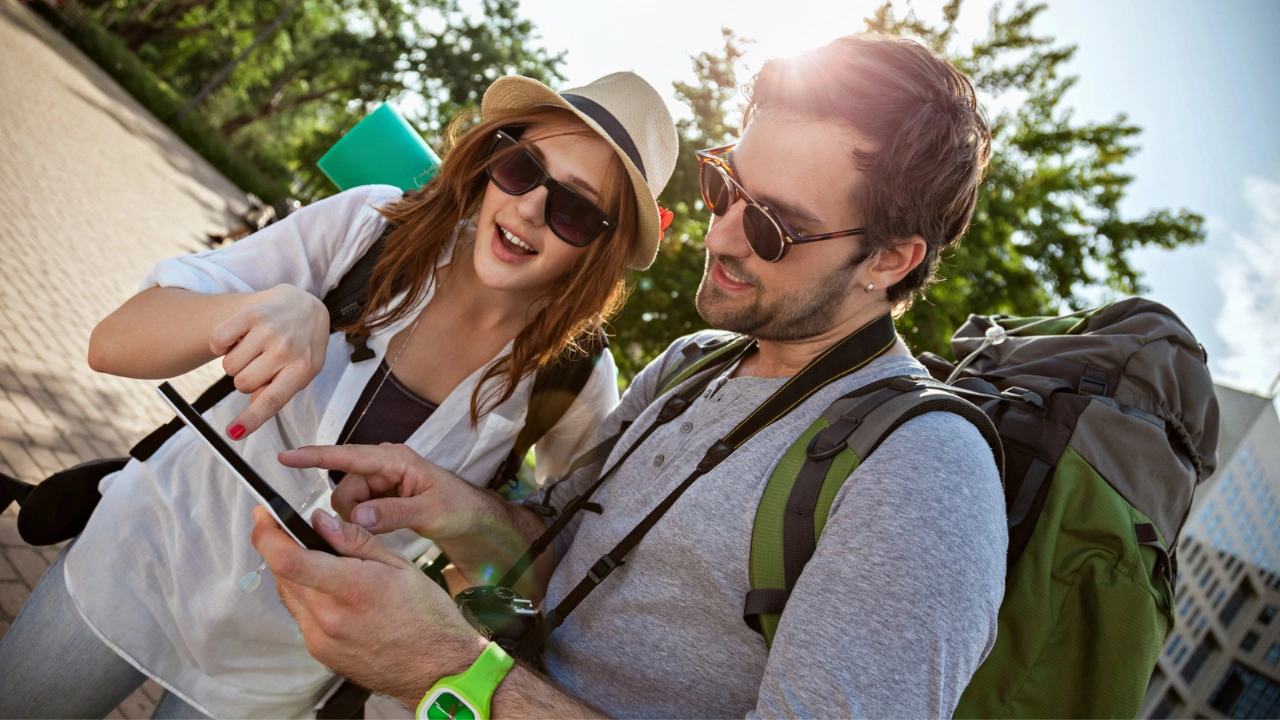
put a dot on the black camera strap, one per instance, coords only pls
(844, 358)
(672, 409)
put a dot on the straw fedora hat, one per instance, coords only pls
(631, 116)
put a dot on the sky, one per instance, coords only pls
(1198, 77)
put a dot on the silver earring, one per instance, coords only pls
(871, 286)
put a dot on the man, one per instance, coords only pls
(897, 607)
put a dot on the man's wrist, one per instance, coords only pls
(455, 660)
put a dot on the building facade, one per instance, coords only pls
(1223, 658)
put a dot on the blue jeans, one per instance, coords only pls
(52, 665)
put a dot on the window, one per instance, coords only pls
(1212, 586)
(1206, 647)
(1181, 654)
(1268, 614)
(1203, 560)
(1217, 600)
(1170, 706)
(1273, 654)
(1235, 575)
(1186, 605)
(1173, 646)
(1232, 608)
(1250, 641)
(1246, 694)
(1200, 625)
(1195, 547)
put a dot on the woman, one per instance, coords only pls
(504, 262)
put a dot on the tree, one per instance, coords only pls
(1047, 233)
(660, 307)
(1048, 226)
(315, 69)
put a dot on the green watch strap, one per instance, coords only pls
(474, 688)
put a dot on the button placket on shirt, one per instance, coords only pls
(674, 445)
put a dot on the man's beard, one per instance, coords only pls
(804, 314)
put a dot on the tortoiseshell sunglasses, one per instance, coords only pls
(767, 232)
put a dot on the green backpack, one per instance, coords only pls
(1103, 423)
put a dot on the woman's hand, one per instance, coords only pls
(273, 348)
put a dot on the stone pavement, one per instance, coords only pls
(93, 192)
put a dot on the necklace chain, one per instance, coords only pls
(390, 366)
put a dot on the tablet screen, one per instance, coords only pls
(296, 525)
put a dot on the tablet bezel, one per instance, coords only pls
(293, 523)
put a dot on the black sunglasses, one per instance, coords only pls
(573, 218)
(768, 234)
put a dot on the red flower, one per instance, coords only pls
(664, 221)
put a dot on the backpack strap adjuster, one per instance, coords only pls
(602, 567)
(1093, 382)
(821, 448)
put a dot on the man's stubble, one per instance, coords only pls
(788, 317)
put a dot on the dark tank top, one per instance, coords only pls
(394, 413)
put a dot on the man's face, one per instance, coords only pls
(804, 170)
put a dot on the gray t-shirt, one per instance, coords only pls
(890, 618)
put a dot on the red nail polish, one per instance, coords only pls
(236, 432)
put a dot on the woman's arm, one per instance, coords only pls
(161, 332)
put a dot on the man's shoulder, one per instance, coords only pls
(683, 348)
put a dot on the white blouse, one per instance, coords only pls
(155, 571)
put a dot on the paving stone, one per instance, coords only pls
(9, 531)
(137, 705)
(93, 192)
(29, 563)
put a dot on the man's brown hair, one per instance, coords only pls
(930, 140)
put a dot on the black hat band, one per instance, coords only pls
(610, 125)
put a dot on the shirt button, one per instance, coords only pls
(657, 460)
(686, 428)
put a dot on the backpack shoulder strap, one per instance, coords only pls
(798, 496)
(697, 356)
(554, 391)
(346, 302)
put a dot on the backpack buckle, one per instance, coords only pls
(1026, 396)
(359, 348)
(602, 567)
(1093, 383)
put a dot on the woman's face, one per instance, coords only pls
(515, 250)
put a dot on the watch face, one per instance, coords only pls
(444, 705)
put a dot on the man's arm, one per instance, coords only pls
(898, 606)
(374, 618)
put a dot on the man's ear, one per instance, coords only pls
(889, 265)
